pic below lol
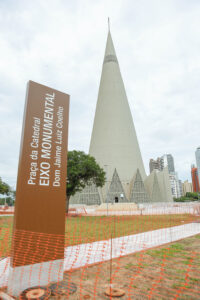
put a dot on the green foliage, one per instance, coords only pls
(185, 199)
(8, 200)
(82, 170)
(192, 195)
(4, 188)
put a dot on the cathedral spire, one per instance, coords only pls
(108, 24)
(110, 50)
(114, 142)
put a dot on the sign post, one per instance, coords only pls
(39, 223)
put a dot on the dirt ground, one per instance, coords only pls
(168, 272)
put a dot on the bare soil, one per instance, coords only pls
(168, 272)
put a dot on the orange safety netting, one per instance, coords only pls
(152, 254)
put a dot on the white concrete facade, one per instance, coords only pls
(114, 142)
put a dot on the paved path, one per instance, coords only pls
(148, 210)
(87, 254)
(9, 215)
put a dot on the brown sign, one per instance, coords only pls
(41, 184)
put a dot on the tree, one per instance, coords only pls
(4, 187)
(192, 195)
(7, 201)
(82, 170)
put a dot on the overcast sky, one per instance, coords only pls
(61, 44)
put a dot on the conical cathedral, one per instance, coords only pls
(114, 142)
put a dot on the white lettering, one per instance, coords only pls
(57, 178)
(44, 173)
(46, 144)
(33, 173)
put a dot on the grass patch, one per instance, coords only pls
(177, 285)
(177, 246)
(195, 280)
(180, 271)
(186, 262)
(88, 229)
(85, 229)
(128, 266)
(173, 251)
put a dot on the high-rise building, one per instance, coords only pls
(180, 187)
(197, 154)
(155, 164)
(175, 185)
(167, 160)
(187, 187)
(114, 145)
(195, 179)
